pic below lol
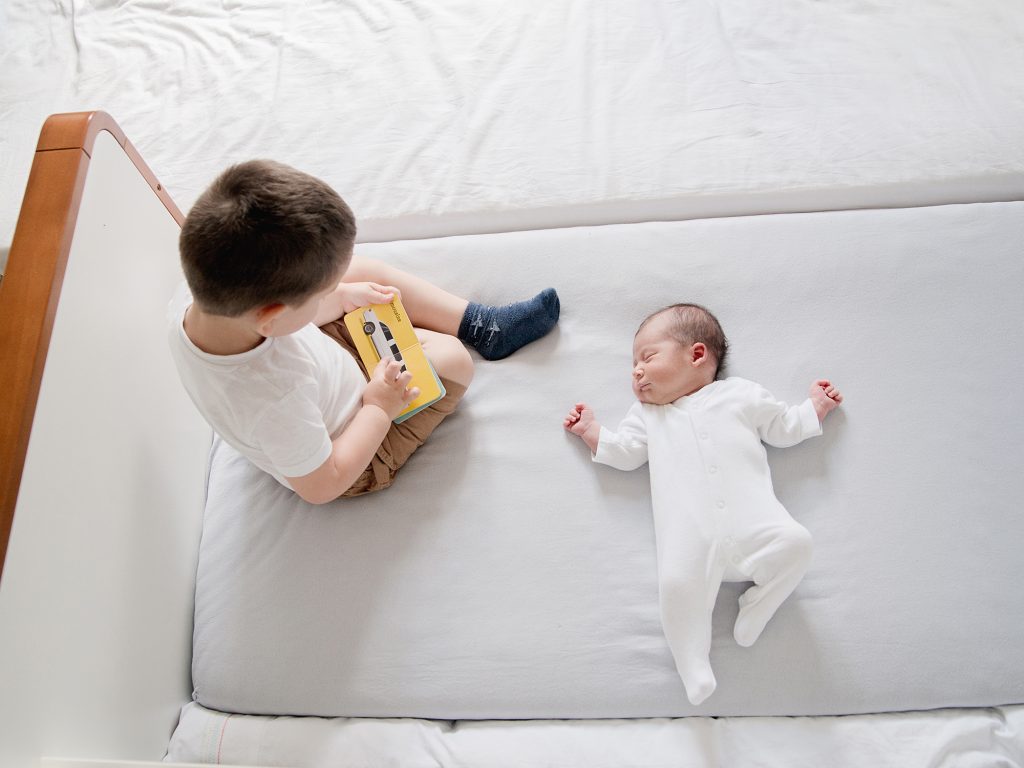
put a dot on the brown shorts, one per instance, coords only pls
(402, 439)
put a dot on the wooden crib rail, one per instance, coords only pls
(32, 284)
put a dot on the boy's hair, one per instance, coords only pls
(264, 233)
(691, 323)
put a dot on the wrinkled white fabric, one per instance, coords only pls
(438, 117)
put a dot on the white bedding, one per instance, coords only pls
(446, 117)
(506, 576)
(980, 738)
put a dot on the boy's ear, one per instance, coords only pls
(266, 317)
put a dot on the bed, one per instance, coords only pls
(222, 620)
(441, 118)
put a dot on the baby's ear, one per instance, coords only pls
(699, 354)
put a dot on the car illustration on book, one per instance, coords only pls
(396, 339)
(383, 340)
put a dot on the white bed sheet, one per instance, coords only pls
(438, 117)
(953, 738)
(505, 576)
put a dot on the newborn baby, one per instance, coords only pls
(716, 517)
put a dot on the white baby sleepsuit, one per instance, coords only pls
(716, 516)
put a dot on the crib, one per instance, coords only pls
(94, 635)
(98, 585)
(162, 600)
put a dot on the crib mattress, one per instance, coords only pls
(506, 576)
(449, 117)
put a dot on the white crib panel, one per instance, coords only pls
(96, 597)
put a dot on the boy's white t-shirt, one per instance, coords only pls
(280, 404)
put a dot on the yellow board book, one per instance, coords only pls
(384, 330)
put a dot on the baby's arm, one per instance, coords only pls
(825, 398)
(385, 396)
(778, 423)
(581, 422)
(624, 449)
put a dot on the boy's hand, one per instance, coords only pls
(349, 296)
(581, 422)
(355, 295)
(825, 397)
(388, 388)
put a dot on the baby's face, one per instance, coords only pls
(663, 369)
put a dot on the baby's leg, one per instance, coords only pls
(687, 595)
(495, 332)
(778, 566)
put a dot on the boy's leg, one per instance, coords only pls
(428, 305)
(450, 359)
(403, 439)
(454, 367)
(495, 332)
(778, 566)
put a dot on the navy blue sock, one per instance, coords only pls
(497, 332)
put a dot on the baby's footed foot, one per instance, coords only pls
(747, 629)
(699, 683)
(753, 617)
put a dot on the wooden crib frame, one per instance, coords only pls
(100, 492)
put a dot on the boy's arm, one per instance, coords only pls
(385, 397)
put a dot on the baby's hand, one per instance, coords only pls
(825, 397)
(355, 295)
(581, 422)
(579, 418)
(389, 389)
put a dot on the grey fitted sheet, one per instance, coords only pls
(506, 576)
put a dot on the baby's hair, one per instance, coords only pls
(264, 233)
(692, 323)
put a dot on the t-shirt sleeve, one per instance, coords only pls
(292, 435)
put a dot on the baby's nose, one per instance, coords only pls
(638, 371)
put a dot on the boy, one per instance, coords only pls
(715, 513)
(267, 254)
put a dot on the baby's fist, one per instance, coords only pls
(581, 422)
(579, 418)
(825, 398)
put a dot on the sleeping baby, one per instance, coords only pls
(716, 517)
